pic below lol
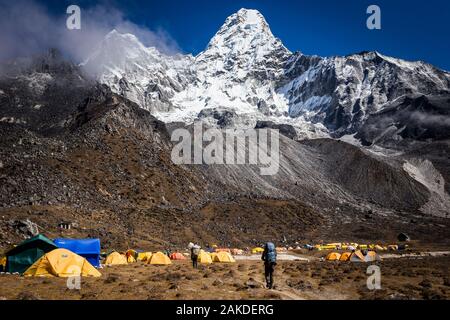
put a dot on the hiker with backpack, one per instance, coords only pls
(269, 256)
(195, 251)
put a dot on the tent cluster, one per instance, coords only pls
(160, 258)
(40, 256)
(355, 256)
(355, 246)
(131, 256)
(210, 257)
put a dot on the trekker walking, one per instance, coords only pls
(269, 256)
(195, 251)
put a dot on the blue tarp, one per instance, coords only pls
(87, 248)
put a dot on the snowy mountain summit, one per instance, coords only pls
(246, 77)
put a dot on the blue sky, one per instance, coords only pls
(413, 30)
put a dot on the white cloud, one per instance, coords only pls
(27, 27)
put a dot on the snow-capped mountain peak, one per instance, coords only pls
(249, 24)
(246, 75)
(244, 42)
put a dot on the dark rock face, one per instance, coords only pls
(415, 117)
(224, 118)
(285, 129)
(354, 87)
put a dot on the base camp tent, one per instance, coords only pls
(345, 256)
(257, 250)
(222, 250)
(223, 257)
(213, 256)
(144, 256)
(402, 237)
(87, 248)
(159, 258)
(204, 258)
(358, 256)
(371, 256)
(2, 264)
(115, 258)
(177, 256)
(62, 263)
(131, 259)
(25, 254)
(133, 253)
(333, 256)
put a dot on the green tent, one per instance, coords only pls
(20, 258)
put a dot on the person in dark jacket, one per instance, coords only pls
(269, 256)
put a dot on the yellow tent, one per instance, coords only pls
(213, 255)
(116, 258)
(345, 256)
(131, 259)
(379, 248)
(159, 258)
(326, 247)
(204, 257)
(144, 256)
(223, 257)
(62, 263)
(131, 252)
(336, 245)
(257, 250)
(333, 256)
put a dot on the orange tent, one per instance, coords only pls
(357, 256)
(177, 256)
(333, 256)
(345, 256)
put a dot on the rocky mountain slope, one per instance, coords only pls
(98, 160)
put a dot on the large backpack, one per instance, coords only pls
(271, 252)
(196, 250)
